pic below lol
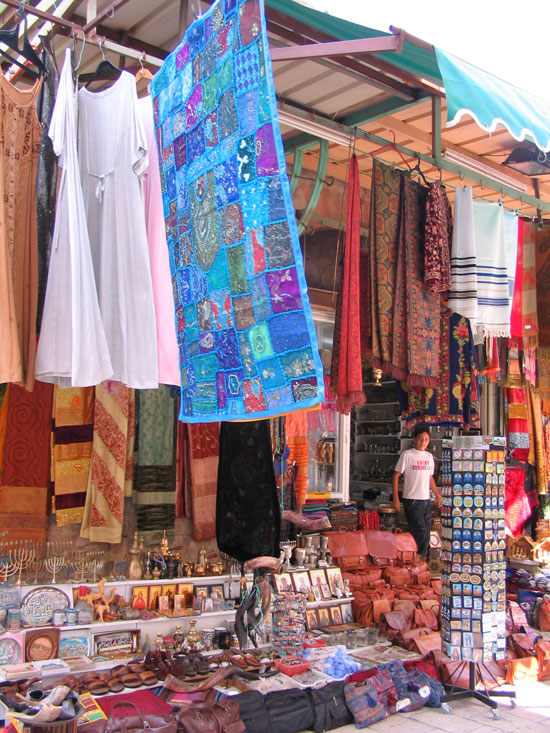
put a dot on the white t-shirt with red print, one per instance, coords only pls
(416, 466)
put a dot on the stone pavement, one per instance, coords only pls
(531, 715)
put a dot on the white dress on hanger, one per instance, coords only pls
(72, 350)
(112, 152)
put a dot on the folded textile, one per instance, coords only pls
(493, 302)
(463, 295)
(516, 418)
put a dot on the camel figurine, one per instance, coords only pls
(98, 601)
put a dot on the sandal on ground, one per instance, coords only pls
(114, 683)
(97, 687)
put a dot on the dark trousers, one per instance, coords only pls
(419, 518)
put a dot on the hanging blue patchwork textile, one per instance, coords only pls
(245, 331)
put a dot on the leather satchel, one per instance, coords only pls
(394, 622)
(426, 617)
(210, 717)
(397, 576)
(406, 546)
(543, 658)
(404, 605)
(349, 549)
(427, 643)
(379, 607)
(138, 723)
(423, 577)
(406, 638)
(521, 670)
(382, 547)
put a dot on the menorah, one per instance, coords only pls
(23, 552)
(8, 568)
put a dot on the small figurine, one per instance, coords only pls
(99, 602)
(338, 592)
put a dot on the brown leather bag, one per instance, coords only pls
(406, 638)
(521, 670)
(426, 643)
(423, 577)
(379, 607)
(138, 723)
(382, 547)
(349, 549)
(431, 603)
(523, 644)
(397, 576)
(404, 605)
(210, 717)
(394, 622)
(543, 657)
(418, 567)
(406, 546)
(426, 617)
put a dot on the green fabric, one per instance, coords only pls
(156, 421)
(416, 60)
(492, 101)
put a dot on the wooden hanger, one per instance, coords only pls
(11, 39)
(393, 145)
(143, 73)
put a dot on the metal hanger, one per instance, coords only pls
(11, 39)
(105, 69)
(143, 73)
(418, 169)
(393, 145)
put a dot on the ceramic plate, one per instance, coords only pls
(11, 651)
(38, 606)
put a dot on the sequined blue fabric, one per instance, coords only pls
(245, 331)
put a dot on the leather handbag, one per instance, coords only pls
(543, 657)
(523, 644)
(423, 577)
(404, 605)
(426, 617)
(427, 643)
(382, 547)
(418, 567)
(522, 670)
(406, 546)
(393, 623)
(406, 638)
(430, 603)
(210, 716)
(379, 607)
(349, 549)
(138, 723)
(397, 576)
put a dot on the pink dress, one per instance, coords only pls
(167, 346)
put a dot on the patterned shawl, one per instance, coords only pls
(493, 303)
(110, 479)
(524, 323)
(204, 451)
(72, 436)
(438, 234)
(455, 401)
(516, 418)
(154, 482)
(543, 285)
(516, 505)
(537, 456)
(416, 317)
(463, 295)
(247, 341)
(383, 243)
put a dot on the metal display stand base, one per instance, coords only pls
(483, 695)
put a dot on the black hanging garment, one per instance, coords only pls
(46, 176)
(248, 518)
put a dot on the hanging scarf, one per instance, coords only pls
(537, 456)
(110, 479)
(524, 324)
(543, 285)
(72, 436)
(438, 234)
(416, 317)
(383, 243)
(296, 425)
(511, 246)
(463, 295)
(516, 418)
(349, 380)
(516, 506)
(493, 303)
(543, 372)
(154, 494)
(204, 445)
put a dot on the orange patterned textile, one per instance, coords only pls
(296, 439)
(110, 479)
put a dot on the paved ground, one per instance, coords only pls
(532, 715)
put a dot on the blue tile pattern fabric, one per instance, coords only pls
(245, 331)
